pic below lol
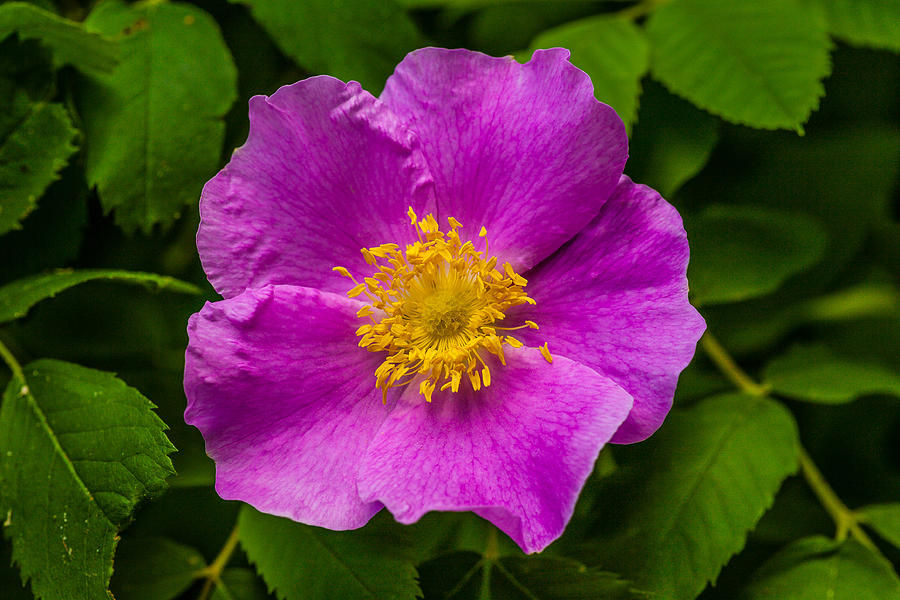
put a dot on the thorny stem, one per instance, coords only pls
(845, 520)
(213, 572)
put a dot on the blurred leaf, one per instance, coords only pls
(175, 83)
(68, 40)
(815, 374)
(154, 569)
(755, 63)
(884, 519)
(671, 141)
(10, 581)
(706, 478)
(817, 567)
(438, 533)
(99, 450)
(349, 39)
(31, 156)
(19, 296)
(874, 23)
(501, 28)
(740, 252)
(463, 575)
(239, 584)
(300, 561)
(612, 51)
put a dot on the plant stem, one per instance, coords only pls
(844, 519)
(213, 572)
(12, 363)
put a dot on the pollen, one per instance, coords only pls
(435, 309)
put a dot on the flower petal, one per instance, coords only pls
(517, 452)
(616, 300)
(326, 170)
(285, 409)
(524, 150)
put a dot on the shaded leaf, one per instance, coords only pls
(755, 63)
(301, 561)
(99, 449)
(170, 92)
(349, 39)
(18, 297)
(816, 374)
(31, 157)
(817, 567)
(740, 252)
(239, 584)
(613, 51)
(68, 40)
(874, 23)
(884, 519)
(706, 478)
(154, 569)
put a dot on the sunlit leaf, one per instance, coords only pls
(757, 63)
(99, 449)
(153, 126)
(705, 479)
(239, 584)
(816, 374)
(154, 569)
(816, 567)
(874, 23)
(885, 519)
(18, 297)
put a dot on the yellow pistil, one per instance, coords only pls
(433, 308)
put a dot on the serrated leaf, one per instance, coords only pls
(884, 519)
(707, 477)
(755, 63)
(18, 297)
(873, 23)
(169, 93)
(741, 252)
(78, 450)
(239, 584)
(350, 39)
(613, 51)
(154, 569)
(68, 40)
(815, 374)
(816, 567)
(463, 575)
(31, 157)
(301, 561)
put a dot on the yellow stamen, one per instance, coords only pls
(545, 352)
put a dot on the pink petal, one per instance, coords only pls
(524, 150)
(326, 170)
(517, 453)
(285, 401)
(616, 299)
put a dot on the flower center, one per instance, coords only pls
(434, 308)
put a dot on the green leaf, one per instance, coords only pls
(816, 567)
(78, 450)
(18, 297)
(755, 63)
(154, 569)
(239, 584)
(349, 39)
(31, 157)
(740, 252)
(816, 374)
(300, 561)
(68, 40)
(170, 92)
(706, 478)
(873, 23)
(884, 519)
(462, 575)
(613, 51)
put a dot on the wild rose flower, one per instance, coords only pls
(514, 301)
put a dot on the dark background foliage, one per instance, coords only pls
(771, 124)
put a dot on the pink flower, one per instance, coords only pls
(430, 386)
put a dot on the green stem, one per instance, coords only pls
(213, 572)
(844, 519)
(12, 363)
